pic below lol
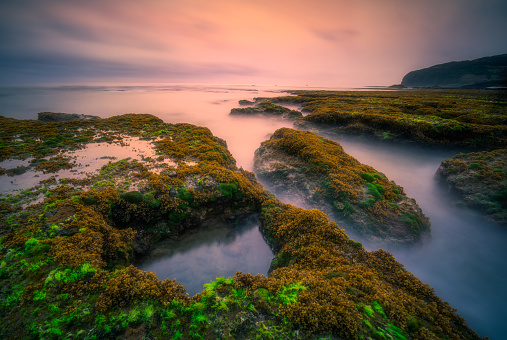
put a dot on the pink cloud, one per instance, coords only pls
(323, 42)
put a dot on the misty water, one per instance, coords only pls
(216, 248)
(464, 260)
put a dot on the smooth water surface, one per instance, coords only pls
(198, 104)
(464, 261)
(213, 250)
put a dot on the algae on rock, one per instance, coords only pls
(438, 117)
(267, 109)
(66, 262)
(481, 179)
(318, 171)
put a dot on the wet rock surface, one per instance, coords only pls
(267, 109)
(55, 117)
(66, 258)
(306, 167)
(481, 180)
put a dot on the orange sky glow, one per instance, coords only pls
(316, 43)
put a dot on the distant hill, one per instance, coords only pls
(478, 73)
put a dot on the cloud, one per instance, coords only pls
(322, 43)
(53, 67)
(335, 35)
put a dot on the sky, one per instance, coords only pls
(332, 43)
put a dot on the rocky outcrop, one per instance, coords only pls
(267, 109)
(478, 73)
(55, 117)
(317, 172)
(66, 263)
(440, 117)
(481, 179)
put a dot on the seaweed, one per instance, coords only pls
(443, 117)
(481, 179)
(325, 176)
(66, 262)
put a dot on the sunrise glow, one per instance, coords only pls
(317, 43)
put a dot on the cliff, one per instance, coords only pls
(478, 73)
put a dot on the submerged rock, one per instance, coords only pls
(481, 179)
(245, 102)
(55, 117)
(318, 172)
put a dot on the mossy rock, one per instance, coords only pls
(66, 264)
(266, 108)
(134, 197)
(318, 171)
(442, 117)
(481, 179)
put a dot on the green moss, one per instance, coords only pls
(134, 197)
(230, 190)
(476, 166)
(185, 194)
(367, 177)
(281, 260)
(380, 188)
(371, 189)
(150, 199)
(411, 220)
(83, 284)
(368, 310)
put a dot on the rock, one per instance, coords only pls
(481, 180)
(397, 86)
(65, 232)
(267, 109)
(54, 117)
(317, 173)
(173, 192)
(221, 141)
(143, 242)
(245, 102)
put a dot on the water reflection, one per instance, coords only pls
(195, 104)
(216, 249)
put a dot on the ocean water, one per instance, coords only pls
(464, 261)
(217, 248)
